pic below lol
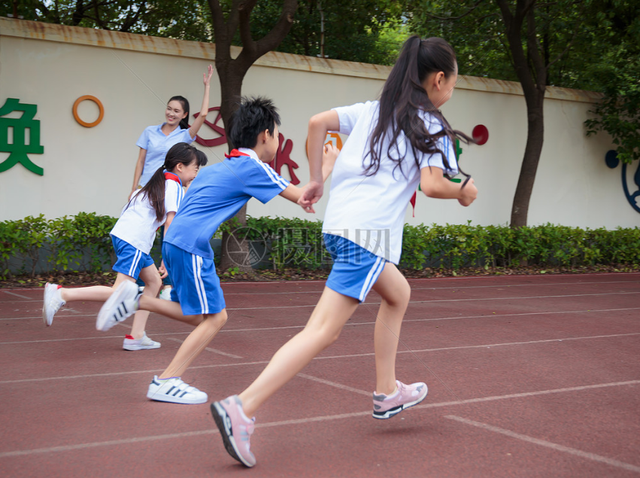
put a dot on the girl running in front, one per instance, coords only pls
(394, 144)
(132, 236)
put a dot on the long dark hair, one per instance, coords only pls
(184, 122)
(403, 98)
(154, 190)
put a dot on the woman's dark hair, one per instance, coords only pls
(184, 122)
(154, 190)
(253, 116)
(403, 98)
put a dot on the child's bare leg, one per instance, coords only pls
(152, 284)
(97, 293)
(167, 308)
(324, 326)
(195, 343)
(395, 292)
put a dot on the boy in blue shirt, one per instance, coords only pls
(217, 194)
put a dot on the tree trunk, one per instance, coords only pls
(235, 250)
(231, 72)
(532, 72)
(532, 151)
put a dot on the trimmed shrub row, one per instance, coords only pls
(82, 242)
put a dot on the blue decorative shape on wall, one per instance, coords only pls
(612, 161)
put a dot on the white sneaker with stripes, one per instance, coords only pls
(174, 390)
(122, 303)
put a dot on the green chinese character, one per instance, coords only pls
(458, 148)
(19, 149)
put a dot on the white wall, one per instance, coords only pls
(91, 169)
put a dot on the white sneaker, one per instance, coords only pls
(165, 293)
(52, 303)
(145, 343)
(174, 390)
(122, 303)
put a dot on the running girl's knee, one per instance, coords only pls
(217, 320)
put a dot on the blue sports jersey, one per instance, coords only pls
(217, 194)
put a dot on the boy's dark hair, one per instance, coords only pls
(254, 115)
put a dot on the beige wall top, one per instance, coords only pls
(200, 50)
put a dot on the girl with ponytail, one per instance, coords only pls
(394, 144)
(155, 141)
(148, 209)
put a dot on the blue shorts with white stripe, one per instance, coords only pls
(354, 270)
(195, 282)
(130, 260)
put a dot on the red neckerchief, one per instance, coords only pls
(413, 203)
(172, 177)
(234, 154)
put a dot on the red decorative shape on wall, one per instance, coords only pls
(480, 134)
(283, 158)
(221, 139)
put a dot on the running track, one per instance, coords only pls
(528, 376)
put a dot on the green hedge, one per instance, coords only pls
(83, 241)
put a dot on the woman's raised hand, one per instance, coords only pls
(207, 76)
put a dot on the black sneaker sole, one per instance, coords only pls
(218, 417)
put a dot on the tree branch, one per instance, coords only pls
(271, 40)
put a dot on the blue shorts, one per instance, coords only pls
(354, 270)
(130, 260)
(195, 282)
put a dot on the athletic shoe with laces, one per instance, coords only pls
(174, 390)
(406, 396)
(122, 303)
(145, 343)
(165, 294)
(52, 303)
(235, 428)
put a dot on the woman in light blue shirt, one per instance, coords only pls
(155, 141)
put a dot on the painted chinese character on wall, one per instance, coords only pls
(16, 144)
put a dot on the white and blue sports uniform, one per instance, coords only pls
(135, 231)
(156, 143)
(368, 211)
(217, 194)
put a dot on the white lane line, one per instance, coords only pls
(125, 441)
(334, 384)
(301, 421)
(230, 309)
(329, 357)
(209, 349)
(18, 295)
(492, 286)
(472, 287)
(484, 299)
(547, 444)
(348, 324)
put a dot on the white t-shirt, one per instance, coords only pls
(369, 210)
(138, 223)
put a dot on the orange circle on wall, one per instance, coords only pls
(97, 102)
(330, 138)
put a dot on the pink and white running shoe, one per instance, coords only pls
(235, 428)
(405, 397)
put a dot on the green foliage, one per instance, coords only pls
(359, 30)
(188, 20)
(66, 242)
(615, 32)
(84, 241)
